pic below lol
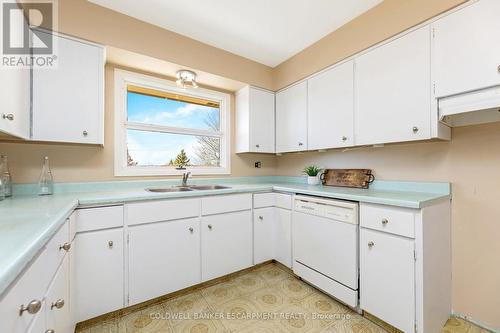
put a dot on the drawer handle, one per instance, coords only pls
(57, 304)
(8, 116)
(371, 244)
(65, 247)
(33, 307)
(385, 221)
(110, 244)
(210, 226)
(191, 230)
(261, 218)
(50, 331)
(257, 146)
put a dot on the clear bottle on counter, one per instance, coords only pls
(46, 182)
(2, 190)
(5, 176)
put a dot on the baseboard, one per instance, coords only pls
(475, 322)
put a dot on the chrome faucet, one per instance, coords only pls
(185, 177)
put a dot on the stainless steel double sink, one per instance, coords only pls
(186, 188)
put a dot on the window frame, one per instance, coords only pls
(122, 80)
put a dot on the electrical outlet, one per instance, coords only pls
(258, 164)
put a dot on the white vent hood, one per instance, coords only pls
(476, 107)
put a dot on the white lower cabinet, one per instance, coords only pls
(264, 227)
(226, 243)
(388, 278)
(57, 306)
(99, 273)
(163, 257)
(283, 236)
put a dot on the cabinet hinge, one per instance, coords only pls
(433, 32)
(434, 88)
(415, 255)
(128, 238)
(415, 327)
(128, 300)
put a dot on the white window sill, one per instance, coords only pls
(159, 171)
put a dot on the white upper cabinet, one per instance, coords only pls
(466, 49)
(254, 120)
(330, 108)
(15, 96)
(68, 100)
(393, 91)
(291, 118)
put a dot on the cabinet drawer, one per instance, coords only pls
(261, 200)
(32, 285)
(394, 220)
(88, 219)
(164, 210)
(283, 201)
(225, 203)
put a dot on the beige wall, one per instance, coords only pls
(472, 163)
(72, 163)
(85, 20)
(381, 22)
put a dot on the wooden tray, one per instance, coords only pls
(357, 178)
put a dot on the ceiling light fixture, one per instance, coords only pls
(186, 78)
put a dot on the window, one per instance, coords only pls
(159, 127)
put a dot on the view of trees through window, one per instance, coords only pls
(163, 131)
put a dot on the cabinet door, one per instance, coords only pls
(330, 108)
(283, 236)
(291, 119)
(57, 300)
(393, 91)
(99, 273)
(178, 245)
(263, 234)
(68, 99)
(226, 243)
(387, 277)
(261, 121)
(15, 94)
(466, 49)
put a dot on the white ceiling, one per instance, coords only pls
(267, 31)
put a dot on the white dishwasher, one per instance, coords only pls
(325, 245)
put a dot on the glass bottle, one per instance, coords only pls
(2, 190)
(46, 182)
(5, 175)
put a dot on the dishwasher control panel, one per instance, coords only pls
(343, 211)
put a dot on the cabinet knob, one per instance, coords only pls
(8, 116)
(65, 247)
(385, 221)
(210, 226)
(261, 218)
(257, 146)
(50, 331)
(370, 244)
(301, 144)
(110, 244)
(415, 129)
(57, 304)
(344, 138)
(191, 230)
(85, 133)
(498, 68)
(33, 307)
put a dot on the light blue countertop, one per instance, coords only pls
(27, 221)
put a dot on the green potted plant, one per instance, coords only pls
(312, 173)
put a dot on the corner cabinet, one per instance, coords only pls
(330, 108)
(254, 120)
(393, 91)
(291, 118)
(68, 100)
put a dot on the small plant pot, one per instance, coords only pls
(312, 180)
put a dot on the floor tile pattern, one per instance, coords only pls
(266, 300)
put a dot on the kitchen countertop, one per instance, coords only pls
(28, 222)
